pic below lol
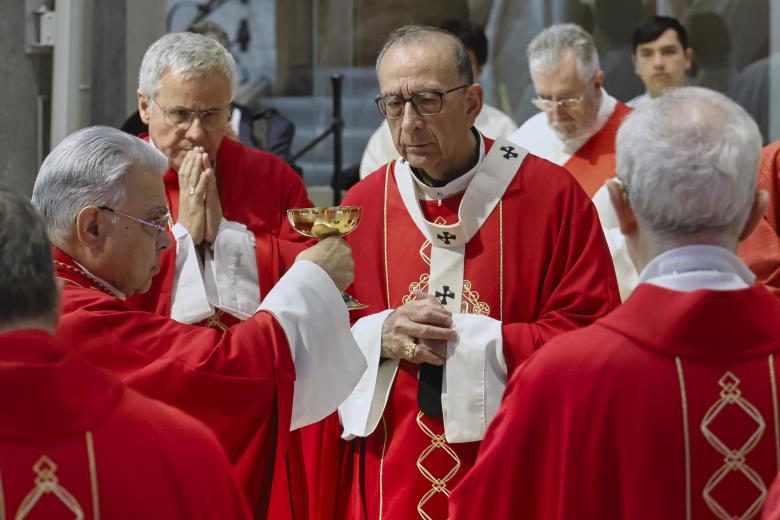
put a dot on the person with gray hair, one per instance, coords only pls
(443, 233)
(667, 407)
(228, 201)
(577, 124)
(291, 363)
(61, 442)
(491, 122)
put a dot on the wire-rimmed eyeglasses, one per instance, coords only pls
(182, 118)
(391, 106)
(161, 224)
(548, 105)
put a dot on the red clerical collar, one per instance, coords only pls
(69, 271)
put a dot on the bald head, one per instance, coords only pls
(417, 35)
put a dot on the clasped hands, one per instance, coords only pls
(200, 211)
(423, 321)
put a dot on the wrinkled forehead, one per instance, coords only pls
(562, 80)
(420, 64)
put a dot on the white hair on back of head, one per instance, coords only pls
(188, 55)
(553, 44)
(689, 162)
(87, 169)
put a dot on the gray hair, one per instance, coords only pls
(27, 287)
(417, 34)
(689, 162)
(185, 54)
(549, 47)
(87, 169)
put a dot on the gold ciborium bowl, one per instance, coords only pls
(324, 221)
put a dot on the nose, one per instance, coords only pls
(410, 118)
(658, 61)
(195, 132)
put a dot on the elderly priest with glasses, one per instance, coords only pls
(473, 254)
(232, 239)
(102, 198)
(577, 124)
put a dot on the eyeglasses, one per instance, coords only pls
(182, 118)
(548, 105)
(391, 106)
(161, 224)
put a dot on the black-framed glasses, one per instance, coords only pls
(182, 118)
(391, 106)
(161, 224)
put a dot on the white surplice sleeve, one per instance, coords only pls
(226, 278)
(475, 376)
(328, 362)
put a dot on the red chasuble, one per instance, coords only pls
(667, 408)
(255, 189)
(761, 250)
(594, 161)
(239, 382)
(75, 443)
(539, 264)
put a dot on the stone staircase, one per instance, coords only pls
(312, 115)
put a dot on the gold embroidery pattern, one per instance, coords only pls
(47, 482)
(469, 303)
(2, 500)
(93, 476)
(773, 381)
(686, 436)
(438, 485)
(215, 321)
(734, 461)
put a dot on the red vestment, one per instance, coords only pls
(594, 162)
(74, 440)
(771, 509)
(666, 408)
(761, 250)
(539, 264)
(255, 189)
(238, 382)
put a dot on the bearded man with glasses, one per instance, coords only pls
(228, 201)
(578, 124)
(473, 254)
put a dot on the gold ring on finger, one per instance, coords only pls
(410, 349)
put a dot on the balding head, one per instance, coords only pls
(419, 35)
(429, 101)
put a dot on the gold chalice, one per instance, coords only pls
(325, 222)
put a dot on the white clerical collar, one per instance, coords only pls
(455, 186)
(606, 107)
(115, 292)
(694, 267)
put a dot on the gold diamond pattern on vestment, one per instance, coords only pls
(438, 483)
(47, 482)
(734, 463)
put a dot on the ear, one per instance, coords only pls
(598, 80)
(688, 58)
(475, 98)
(144, 107)
(90, 229)
(756, 213)
(619, 199)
